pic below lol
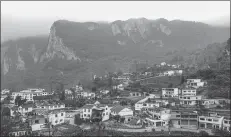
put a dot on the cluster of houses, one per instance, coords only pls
(172, 105)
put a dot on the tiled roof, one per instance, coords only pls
(88, 106)
(117, 109)
(27, 105)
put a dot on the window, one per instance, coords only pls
(61, 120)
(215, 120)
(88, 115)
(177, 115)
(56, 121)
(61, 114)
(184, 97)
(106, 108)
(84, 115)
(106, 113)
(46, 120)
(36, 121)
(26, 109)
(88, 110)
(226, 122)
(209, 119)
(85, 110)
(188, 98)
(202, 118)
(56, 115)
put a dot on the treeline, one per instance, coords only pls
(218, 81)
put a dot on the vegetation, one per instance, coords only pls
(19, 101)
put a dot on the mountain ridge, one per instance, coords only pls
(91, 46)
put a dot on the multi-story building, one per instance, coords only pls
(184, 119)
(150, 103)
(188, 100)
(5, 91)
(189, 92)
(226, 123)
(49, 105)
(30, 93)
(24, 109)
(87, 94)
(161, 115)
(54, 117)
(89, 109)
(211, 103)
(170, 92)
(210, 122)
(38, 122)
(195, 83)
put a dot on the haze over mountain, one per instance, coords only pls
(20, 19)
(76, 50)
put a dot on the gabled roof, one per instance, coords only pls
(117, 109)
(27, 105)
(88, 106)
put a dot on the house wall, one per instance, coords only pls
(226, 125)
(210, 122)
(190, 92)
(172, 92)
(86, 113)
(57, 119)
(36, 127)
(106, 114)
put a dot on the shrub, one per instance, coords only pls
(203, 133)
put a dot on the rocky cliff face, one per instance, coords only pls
(57, 48)
(90, 45)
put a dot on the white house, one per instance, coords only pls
(38, 122)
(170, 92)
(163, 63)
(210, 122)
(188, 92)
(169, 73)
(30, 93)
(189, 100)
(160, 114)
(120, 87)
(49, 105)
(5, 91)
(209, 103)
(150, 103)
(195, 83)
(3, 97)
(226, 124)
(178, 72)
(86, 94)
(56, 116)
(121, 111)
(155, 122)
(21, 109)
(104, 91)
(139, 104)
(88, 109)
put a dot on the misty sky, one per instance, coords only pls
(30, 18)
(115, 10)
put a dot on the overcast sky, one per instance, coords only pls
(29, 18)
(114, 10)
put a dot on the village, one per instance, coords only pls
(134, 102)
